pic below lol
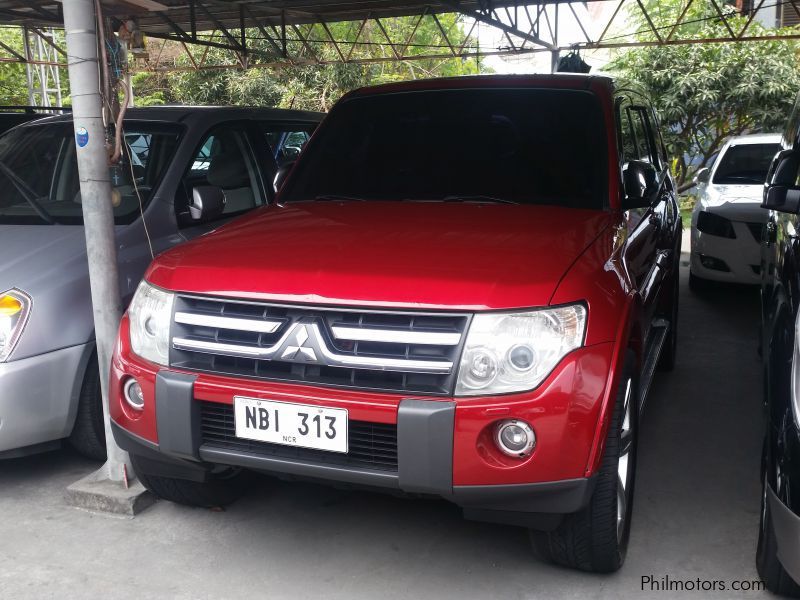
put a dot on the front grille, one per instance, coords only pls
(371, 445)
(376, 350)
(755, 230)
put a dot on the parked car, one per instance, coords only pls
(778, 553)
(174, 158)
(465, 301)
(727, 219)
(11, 116)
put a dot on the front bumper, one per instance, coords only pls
(424, 467)
(443, 445)
(38, 398)
(787, 534)
(741, 255)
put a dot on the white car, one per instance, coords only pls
(727, 219)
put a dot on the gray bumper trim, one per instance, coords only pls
(177, 415)
(288, 466)
(787, 534)
(425, 446)
(566, 496)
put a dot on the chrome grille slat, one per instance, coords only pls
(362, 334)
(250, 325)
(355, 348)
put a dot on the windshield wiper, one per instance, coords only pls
(737, 178)
(478, 198)
(27, 193)
(339, 197)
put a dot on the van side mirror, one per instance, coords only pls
(281, 174)
(782, 192)
(208, 202)
(702, 175)
(641, 182)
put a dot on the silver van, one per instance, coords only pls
(49, 380)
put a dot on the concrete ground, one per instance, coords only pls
(696, 516)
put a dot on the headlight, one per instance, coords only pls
(514, 352)
(150, 314)
(713, 224)
(15, 306)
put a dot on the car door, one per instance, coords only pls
(645, 256)
(231, 156)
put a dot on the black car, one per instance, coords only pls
(778, 554)
(11, 116)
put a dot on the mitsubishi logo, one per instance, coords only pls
(299, 350)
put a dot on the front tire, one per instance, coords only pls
(88, 435)
(595, 539)
(220, 489)
(768, 565)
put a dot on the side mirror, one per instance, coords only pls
(208, 202)
(641, 182)
(782, 199)
(782, 192)
(282, 174)
(702, 175)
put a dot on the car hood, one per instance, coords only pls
(735, 202)
(32, 253)
(409, 254)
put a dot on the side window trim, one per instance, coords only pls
(649, 131)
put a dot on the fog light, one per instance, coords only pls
(134, 395)
(715, 264)
(514, 438)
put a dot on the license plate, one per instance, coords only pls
(291, 424)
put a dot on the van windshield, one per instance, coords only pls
(745, 164)
(528, 146)
(39, 173)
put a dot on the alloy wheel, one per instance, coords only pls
(625, 464)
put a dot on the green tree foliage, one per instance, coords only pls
(307, 86)
(705, 93)
(13, 79)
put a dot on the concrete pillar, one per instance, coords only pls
(82, 41)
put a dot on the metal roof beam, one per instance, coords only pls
(489, 19)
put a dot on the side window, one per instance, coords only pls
(640, 125)
(224, 159)
(286, 140)
(661, 149)
(145, 158)
(627, 136)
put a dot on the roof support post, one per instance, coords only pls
(101, 247)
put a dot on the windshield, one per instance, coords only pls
(745, 164)
(39, 173)
(529, 146)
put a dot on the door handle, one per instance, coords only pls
(771, 233)
(662, 258)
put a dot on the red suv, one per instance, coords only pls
(464, 290)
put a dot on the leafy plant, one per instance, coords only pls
(706, 93)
